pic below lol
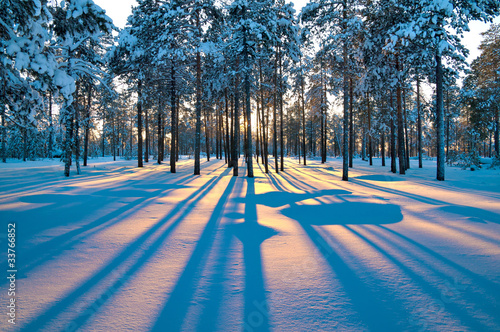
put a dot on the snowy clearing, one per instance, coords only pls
(120, 248)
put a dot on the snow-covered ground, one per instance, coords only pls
(125, 249)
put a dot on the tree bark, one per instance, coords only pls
(401, 136)
(146, 127)
(419, 125)
(87, 126)
(236, 122)
(249, 117)
(139, 123)
(173, 125)
(351, 123)
(275, 134)
(393, 135)
(303, 115)
(370, 147)
(345, 143)
(282, 147)
(197, 143)
(440, 174)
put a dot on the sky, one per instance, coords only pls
(119, 10)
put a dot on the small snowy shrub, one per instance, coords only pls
(464, 160)
(495, 163)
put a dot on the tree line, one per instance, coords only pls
(249, 79)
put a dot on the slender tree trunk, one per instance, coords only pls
(4, 129)
(146, 127)
(407, 150)
(345, 74)
(275, 127)
(51, 128)
(497, 136)
(393, 134)
(440, 174)
(382, 147)
(370, 146)
(24, 130)
(351, 123)
(302, 93)
(69, 119)
(226, 106)
(139, 123)
(197, 145)
(114, 139)
(249, 114)
(236, 138)
(77, 139)
(173, 126)
(68, 144)
(207, 135)
(401, 136)
(159, 126)
(419, 125)
(265, 123)
(87, 126)
(103, 136)
(258, 126)
(282, 146)
(4, 137)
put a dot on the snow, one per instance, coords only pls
(120, 248)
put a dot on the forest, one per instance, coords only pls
(225, 79)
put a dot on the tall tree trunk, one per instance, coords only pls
(440, 174)
(51, 128)
(382, 147)
(351, 123)
(207, 134)
(173, 125)
(139, 123)
(370, 146)
(87, 125)
(236, 137)
(226, 106)
(345, 74)
(258, 126)
(159, 126)
(114, 139)
(282, 147)
(265, 123)
(393, 135)
(4, 137)
(275, 127)
(197, 144)
(497, 128)
(77, 139)
(302, 93)
(4, 129)
(24, 130)
(419, 125)
(68, 142)
(249, 114)
(401, 136)
(407, 149)
(146, 127)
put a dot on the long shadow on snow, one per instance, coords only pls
(466, 318)
(475, 214)
(370, 301)
(489, 293)
(168, 221)
(175, 309)
(37, 255)
(252, 235)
